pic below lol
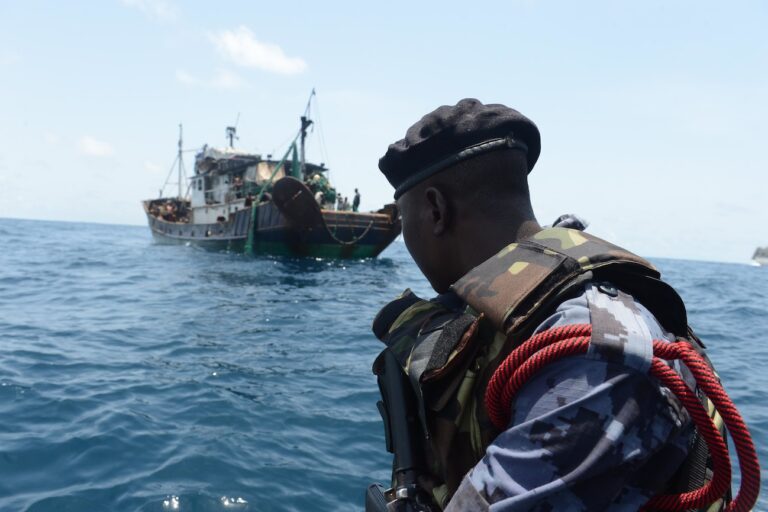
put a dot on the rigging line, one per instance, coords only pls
(280, 146)
(320, 134)
(170, 171)
(184, 177)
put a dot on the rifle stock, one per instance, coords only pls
(375, 501)
(398, 411)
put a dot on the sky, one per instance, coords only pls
(653, 114)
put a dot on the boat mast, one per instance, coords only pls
(181, 160)
(306, 122)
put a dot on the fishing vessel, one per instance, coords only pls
(239, 201)
(761, 256)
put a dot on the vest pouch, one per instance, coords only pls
(449, 361)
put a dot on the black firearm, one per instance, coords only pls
(398, 410)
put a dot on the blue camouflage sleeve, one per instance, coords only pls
(586, 434)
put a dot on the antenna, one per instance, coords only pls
(232, 132)
(232, 135)
(309, 102)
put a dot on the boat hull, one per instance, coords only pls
(340, 235)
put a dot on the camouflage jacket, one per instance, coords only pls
(450, 346)
(588, 432)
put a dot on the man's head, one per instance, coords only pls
(460, 178)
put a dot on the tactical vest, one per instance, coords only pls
(449, 348)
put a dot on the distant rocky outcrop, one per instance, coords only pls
(761, 255)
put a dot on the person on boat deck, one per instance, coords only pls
(591, 432)
(356, 201)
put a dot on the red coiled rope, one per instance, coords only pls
(553, 344)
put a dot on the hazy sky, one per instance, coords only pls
(653, 114)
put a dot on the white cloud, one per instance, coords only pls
(93, 147)
(223, 79)
(156, 9)
(240, 47)
(152, 166)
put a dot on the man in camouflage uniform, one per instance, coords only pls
(591, 432)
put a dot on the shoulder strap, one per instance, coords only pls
(618, 335)
(513, 284)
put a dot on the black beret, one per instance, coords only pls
(454, 133)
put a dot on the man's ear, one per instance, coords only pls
(440, 214)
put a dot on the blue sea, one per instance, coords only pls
(137, 376)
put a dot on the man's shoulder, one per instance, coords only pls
(621, 347)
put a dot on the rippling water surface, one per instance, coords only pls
(137, 376)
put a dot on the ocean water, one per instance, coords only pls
(137, 376)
